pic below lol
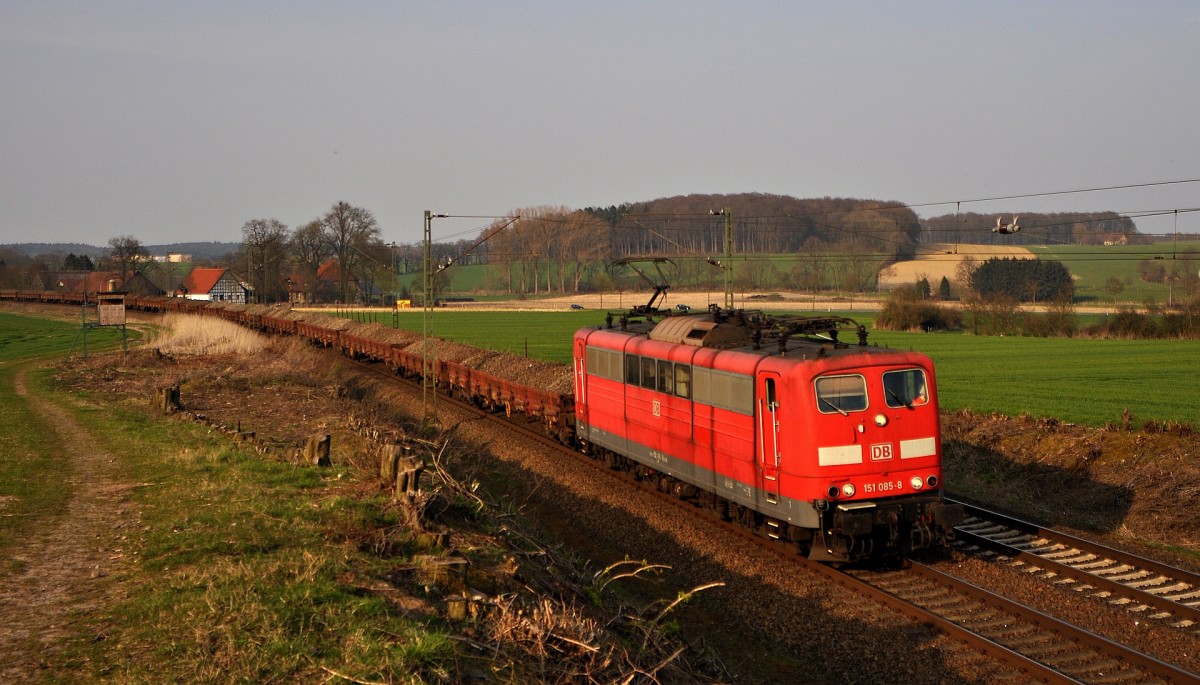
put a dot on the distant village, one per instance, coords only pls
(174, 275)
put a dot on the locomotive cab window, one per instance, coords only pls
(841, 394)
(905, 388)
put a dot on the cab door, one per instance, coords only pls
(581, 389)
(767, 411)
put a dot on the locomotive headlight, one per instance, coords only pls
(880, 420)
(933, 481)
(848, 489)
(917, 483)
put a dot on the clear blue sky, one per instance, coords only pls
(180, 121)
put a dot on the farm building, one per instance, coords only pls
(213, 285)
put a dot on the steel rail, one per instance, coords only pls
(1152, 666)
(1026, 552)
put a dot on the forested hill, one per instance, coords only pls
(207, 250)
(762, 224)
(1067, 228)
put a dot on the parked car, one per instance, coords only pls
(576, 306)
(683, 307)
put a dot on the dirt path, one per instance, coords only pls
(62, 572)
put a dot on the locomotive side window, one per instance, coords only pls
(665, 377)
(723, 390)
(633, 365)
(841, 394)
(605, 364)
(683, 381)
(905, 388)
(649, 373)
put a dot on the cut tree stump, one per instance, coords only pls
(168, 399)
(408, 476)
(316, 452)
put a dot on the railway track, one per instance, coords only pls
(1027, 645)
(1153, 590)
(1043, 647)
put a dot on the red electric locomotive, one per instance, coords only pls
(772, 421)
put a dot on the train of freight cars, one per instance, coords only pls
(768, 420)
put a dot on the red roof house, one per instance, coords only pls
(213, 285)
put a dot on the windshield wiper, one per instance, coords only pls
(907, 404)
(833, 406)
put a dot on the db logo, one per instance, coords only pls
(656, 407)
(881, 452)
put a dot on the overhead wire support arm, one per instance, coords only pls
(491, 233)
(428, 273)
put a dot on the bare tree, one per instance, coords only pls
(309, 247)
(127, 253)
(964, 272)
(265, 243)
(1114, 286)
(580, 249)
(349, 230)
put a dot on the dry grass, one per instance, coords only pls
(202, 335)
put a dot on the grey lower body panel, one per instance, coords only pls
(795, 512)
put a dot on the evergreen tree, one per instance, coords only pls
(944, 289)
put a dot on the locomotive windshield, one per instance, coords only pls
(905, 388)
(841, 394)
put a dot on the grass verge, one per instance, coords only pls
(245, 570)
(32, 490)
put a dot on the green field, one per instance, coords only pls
(1093, 265)
(1079, 381)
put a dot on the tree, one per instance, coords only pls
(964, 272)
(1002, 312)
(1022, 279)
(907, 310)
(923, 289)
(309, 247)
(1114, 286)
(74, 262)
(1060, 316)
(349, 230)
(265, 243)
(944, 289)
(1152, 270)
(376, 270)
(127, 253)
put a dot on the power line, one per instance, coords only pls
(1061, 192)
